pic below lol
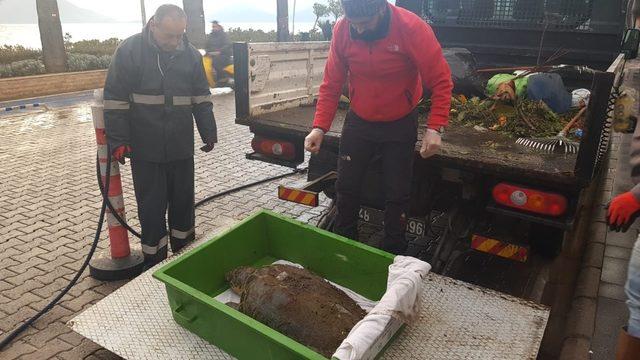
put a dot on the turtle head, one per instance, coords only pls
(238, 277)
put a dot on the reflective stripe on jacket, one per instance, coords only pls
(152, 97)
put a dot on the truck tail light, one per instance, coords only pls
(274, 148)
(535, 201)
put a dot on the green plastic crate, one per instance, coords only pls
(193, 280)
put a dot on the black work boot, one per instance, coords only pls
(152, 260)
(177, 244)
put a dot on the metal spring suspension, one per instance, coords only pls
(605, 136)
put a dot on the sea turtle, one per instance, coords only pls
(297, 303)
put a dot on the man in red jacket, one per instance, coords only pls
(388, 54)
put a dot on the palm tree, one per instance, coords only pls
(320, 11)
(293, 21)
(196, 28)
(143, 12)
(283, 20)
(55, 57)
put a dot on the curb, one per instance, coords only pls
(582, 316)
(579, 334)
(24, 106)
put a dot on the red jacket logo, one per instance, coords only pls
(394, 48)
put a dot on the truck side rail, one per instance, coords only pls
(515, 28)
(276, 76)
(595, 141)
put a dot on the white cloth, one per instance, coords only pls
(400, 303)
(580, 95)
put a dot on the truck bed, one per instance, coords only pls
(463, 147)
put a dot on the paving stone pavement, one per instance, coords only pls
(599, 299)
(612, 311)
(49, 204)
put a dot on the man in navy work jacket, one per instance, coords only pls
(155, 87)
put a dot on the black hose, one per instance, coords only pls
(105, 197)
(107, 204)
(242, 187)
(201, 202)
(7, 340)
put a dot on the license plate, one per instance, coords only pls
(415, 226)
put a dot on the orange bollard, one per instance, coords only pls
(121, 262)
(118, 236)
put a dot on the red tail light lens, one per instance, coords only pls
(535, 201)
(274, 148)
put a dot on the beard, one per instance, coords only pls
(368, 35)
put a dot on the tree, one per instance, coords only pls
(143, 13)
(320, 11)
(335, 8)
(53, 51)
(331, 10)
(196, 28)
(283, 20)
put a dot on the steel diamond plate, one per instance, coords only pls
(456, 321)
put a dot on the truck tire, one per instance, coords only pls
(328, 218)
